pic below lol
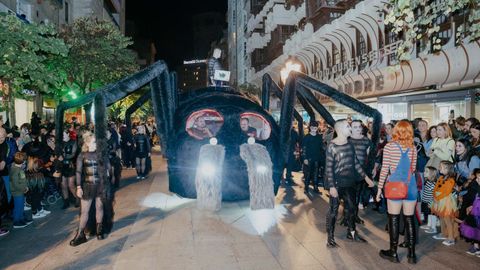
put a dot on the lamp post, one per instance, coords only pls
(289, 67)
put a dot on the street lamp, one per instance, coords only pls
(289, 66)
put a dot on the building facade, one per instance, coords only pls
(62, 12)
(192, 75)
(58, 13)
(344, 43)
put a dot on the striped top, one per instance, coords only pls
(342, 168)
(361, 149)
(427, 192)
(391, 157)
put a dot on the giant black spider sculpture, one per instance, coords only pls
(174, 111)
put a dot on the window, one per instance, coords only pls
(391, 37)
(66, 12)
(362, 50)
(204, 124)
(445, 32)
(255, 125)
(334, 15)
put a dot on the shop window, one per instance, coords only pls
(379, 83)
(255, 125)
(204, 124)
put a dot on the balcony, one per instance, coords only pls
(321, 12)
(256, 6)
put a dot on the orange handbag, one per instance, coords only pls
(398, 190)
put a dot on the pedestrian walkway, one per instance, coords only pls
(155, 229)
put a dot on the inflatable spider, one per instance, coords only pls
(189, 120)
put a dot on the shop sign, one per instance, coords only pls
(29, 92)
(353, 63)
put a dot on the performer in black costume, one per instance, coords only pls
(362, 147)
(116, 165)
(313, 154)
(93, 187)
(69, 152)
(142, 151)
(341, 171)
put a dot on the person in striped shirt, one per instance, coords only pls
(399, 163)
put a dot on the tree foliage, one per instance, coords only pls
(118, 109)
(98, 55)
(416, 20)
(27, 56)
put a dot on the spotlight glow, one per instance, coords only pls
(262, 169)
(213, 141)
(207, 169)
(289, 67)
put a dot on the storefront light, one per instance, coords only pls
(289, 67)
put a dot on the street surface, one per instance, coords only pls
(155, 229)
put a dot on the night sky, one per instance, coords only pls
(169, 24)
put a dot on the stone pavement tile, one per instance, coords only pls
(251, 250)
(304, 232)
(207, 254)
(289, 252)
(136, 263)
(260, 264)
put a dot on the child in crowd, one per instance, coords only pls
(431, 175)
(19, 187)
(444, 203)
(36, 185)
(469, 214)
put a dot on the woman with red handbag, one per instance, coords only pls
(399, 165)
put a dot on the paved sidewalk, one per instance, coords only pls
(155, 229)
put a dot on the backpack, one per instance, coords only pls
(12, 149)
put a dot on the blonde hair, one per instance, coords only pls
(33, 164)
(431, 173)
(87, 138)
(449, 167)
(448, 131)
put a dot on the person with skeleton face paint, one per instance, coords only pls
(362, 147)
(341, 173)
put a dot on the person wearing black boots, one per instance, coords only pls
(142, 151)
(69, 151)
(362, 145)
(341, 170)
(116, 165)
(93, 187)
(399, 164)
(313, 153)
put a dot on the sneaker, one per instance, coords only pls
(38, 215)
(473, 251)
(138, 177)
(431, 230)
(360, 206)
(3, 232)
(27, 208)
(449, 243)
(439, 237)
(45, 212)
(21, 224)
(425, 227)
